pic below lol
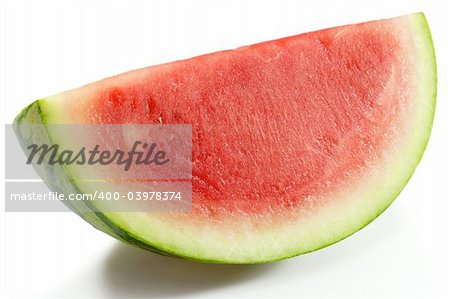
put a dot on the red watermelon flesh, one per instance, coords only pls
(296, 143)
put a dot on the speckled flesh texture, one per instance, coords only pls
(297, 142)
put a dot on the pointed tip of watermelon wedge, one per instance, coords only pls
(244, 240)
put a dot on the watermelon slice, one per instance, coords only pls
(297, 143)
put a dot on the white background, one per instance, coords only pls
(49, 46)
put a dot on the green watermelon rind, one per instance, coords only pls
(53, 175)
(106, 222)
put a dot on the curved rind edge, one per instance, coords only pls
(29, 127)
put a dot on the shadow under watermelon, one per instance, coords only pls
(133, 272)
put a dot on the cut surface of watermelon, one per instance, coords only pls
(297, 143)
